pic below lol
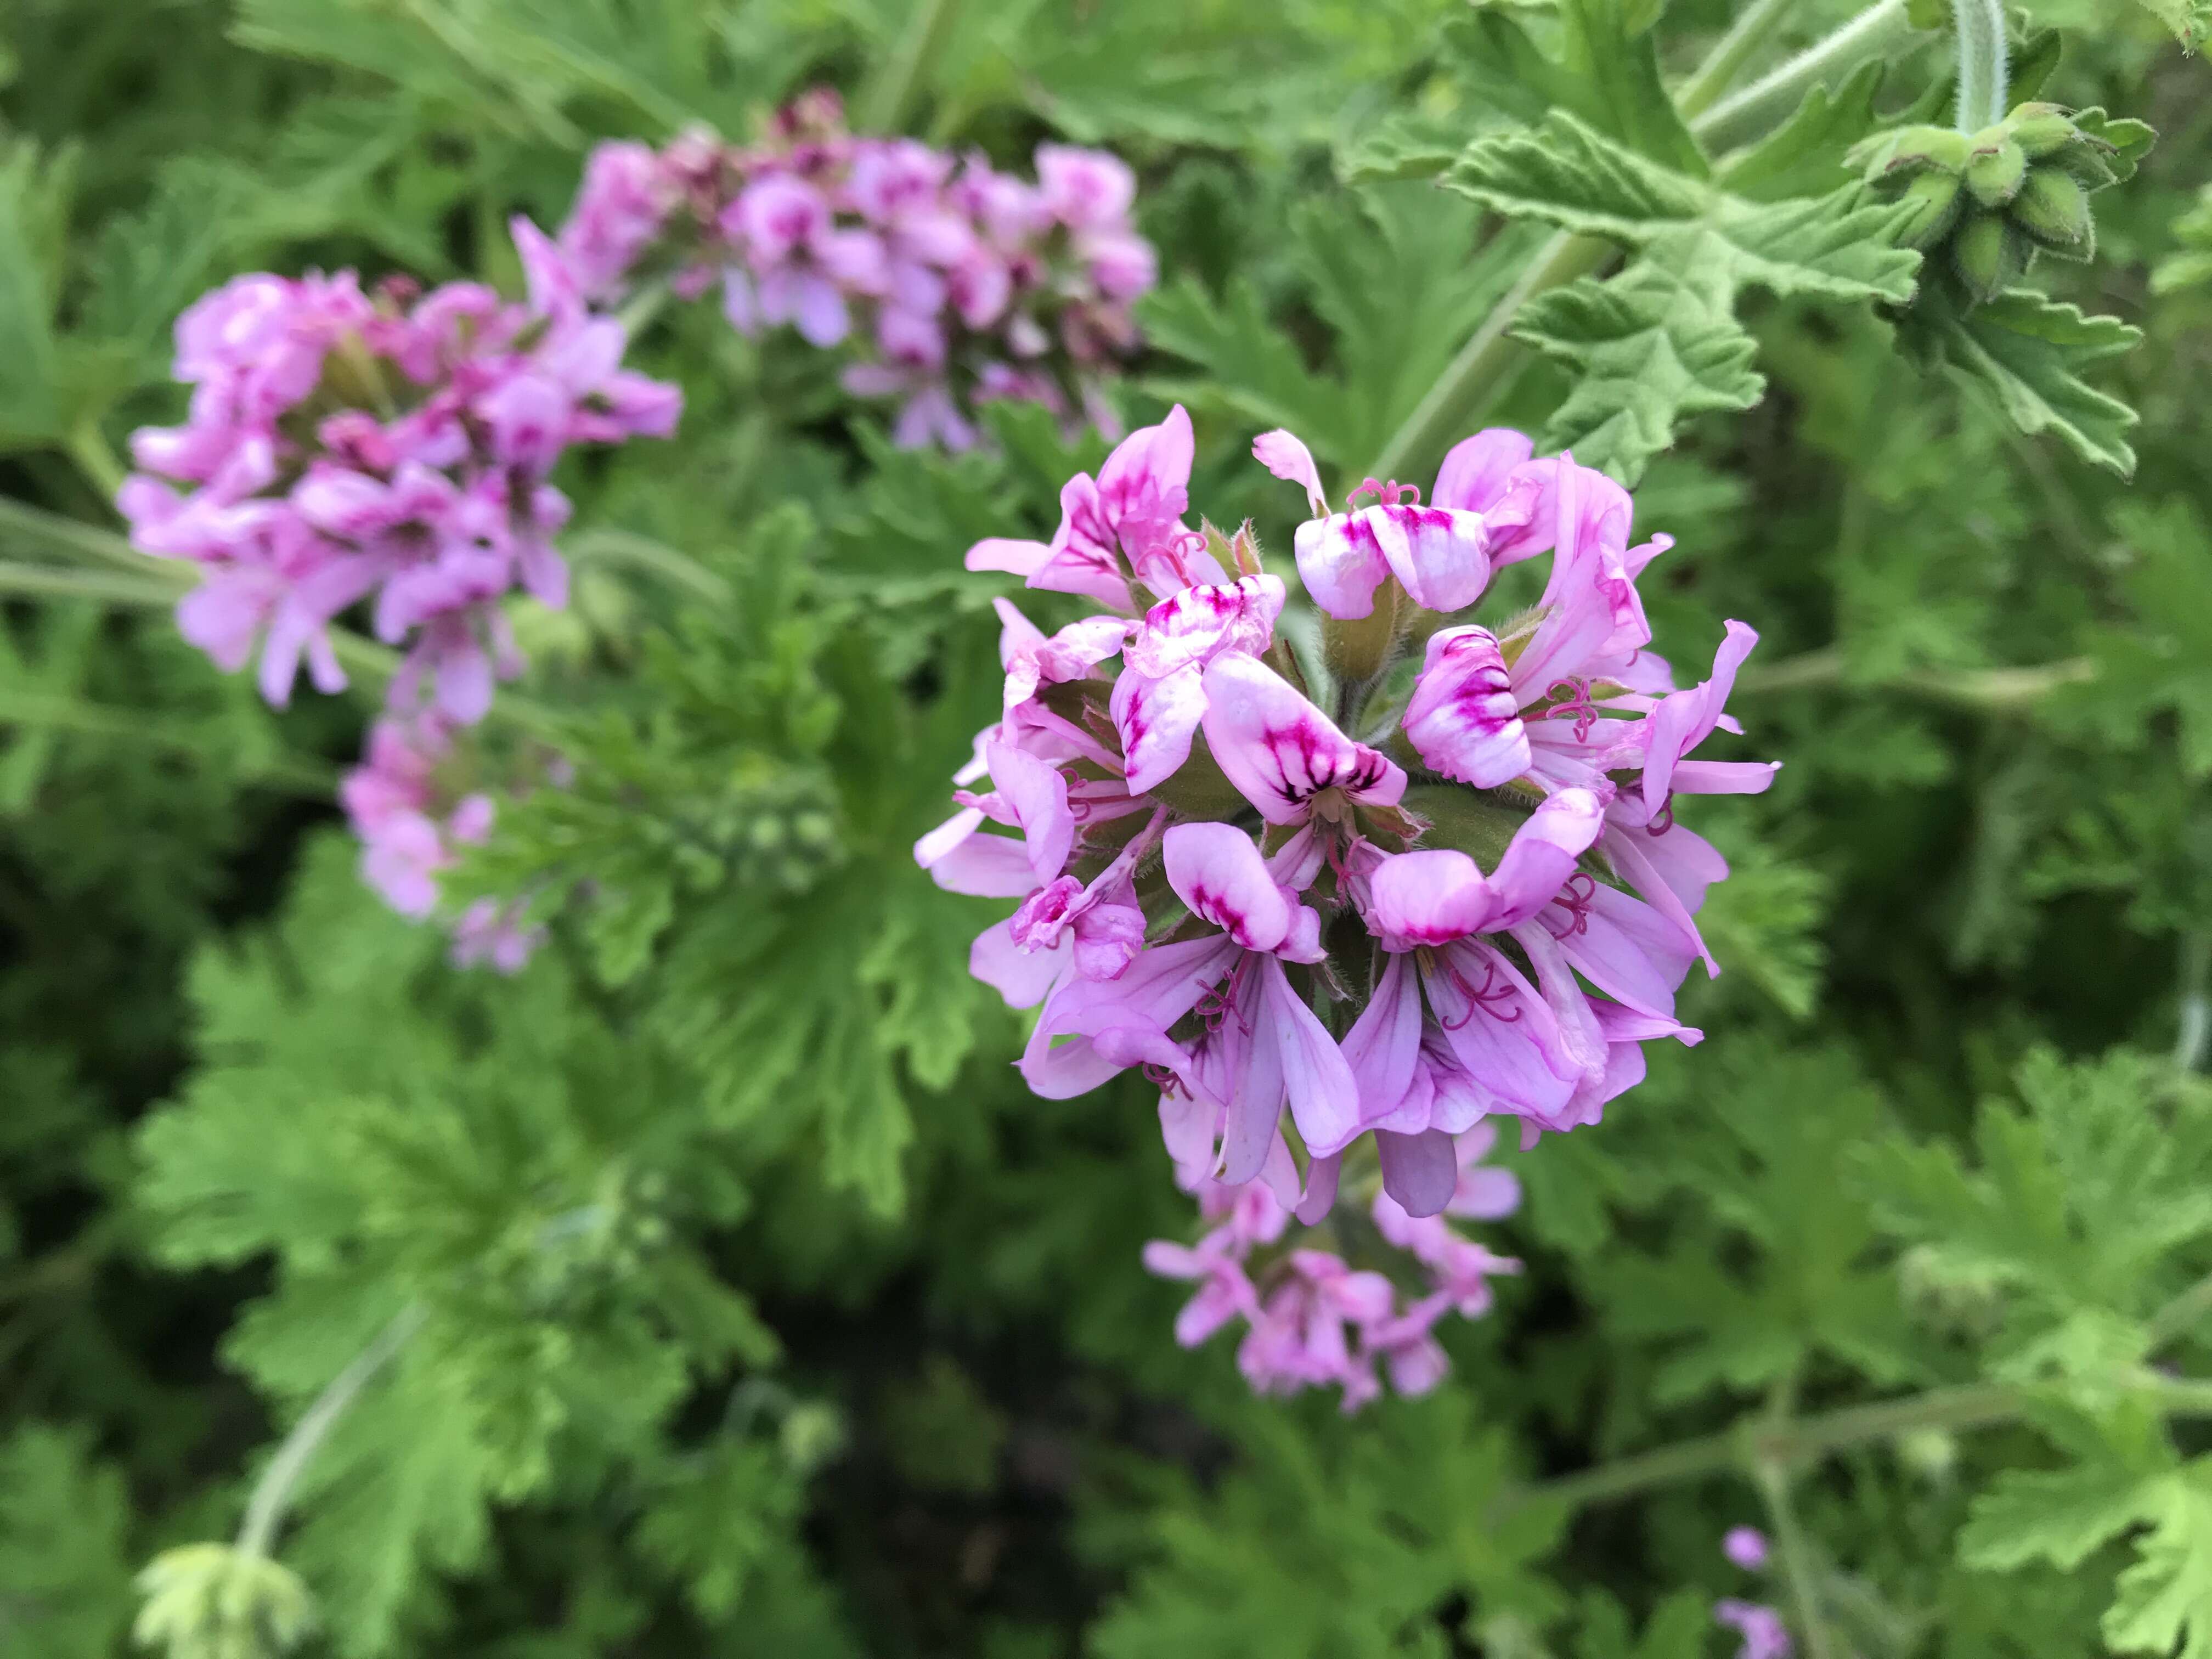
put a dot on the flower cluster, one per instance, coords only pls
(344, 446)
(952, 282)
(1395, 902)
(411, 817)
(1764, 1636)
(390, 449)
(1313, 1320)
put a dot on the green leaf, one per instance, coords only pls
(2165, 1600)
(1649, 350)
(2080, 1214)
(2029, 352)
(64, 1579)
(1804, 156)
(34, 198)
(2061, 1516)
(1566, 173)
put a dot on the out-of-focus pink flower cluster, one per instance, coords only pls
(411, 816)
(1395, 904)
(345, 446)
(1313, 1320)
(1765, 1635)
(388, 448)
(951, 284)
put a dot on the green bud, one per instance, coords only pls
(2053, 208)
(1989, 256)
(1891, 158)
(214, 1601)
(1995, 173)
(2041, 130)
(1936, 197)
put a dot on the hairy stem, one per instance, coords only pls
(1744, 37)
(1560, 260)
(265, 1511)
(1870, 35)
(84, 542)
(1983, 62)
(883, 103)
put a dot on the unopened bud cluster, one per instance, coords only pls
(1986, 203)
(947, 283)
(1341, 916)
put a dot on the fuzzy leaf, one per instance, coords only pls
(2030, 352)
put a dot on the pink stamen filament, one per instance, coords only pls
(1480, 1000)
(1578, 704)
(1390, 494)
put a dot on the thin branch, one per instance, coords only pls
(1744, 37)
(265, 1511)
(1870, 35)
(1994, 690)
(883, 103)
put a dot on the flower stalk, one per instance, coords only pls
(272, 1494)
(1983, 63)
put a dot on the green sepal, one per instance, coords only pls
(1989, 256)
(2053, 209)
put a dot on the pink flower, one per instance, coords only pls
(1240, 893)
(1745, 1546)
(1438, 553)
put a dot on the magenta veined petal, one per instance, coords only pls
(1281, 751)
(1464, 719)
(1217, 872)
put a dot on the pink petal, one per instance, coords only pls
(1685, 719)
(1476, 473)
(1437, 555)
(1156, 719)
(1037, 794)
(1216, 869)
(1419, 1170)
(1198, 623)
(1542, 854)
(1464, 719)
(1279, 750)
(1018, 558)
(1341, 564)
(1024, 978)
(1324, 1096)
(1385, 1041)
(1288, 458)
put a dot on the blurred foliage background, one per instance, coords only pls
(754, 1308)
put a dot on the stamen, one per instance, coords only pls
(1480, 1000)
(1578, 903)
(1161, 1079)
(1662, 820)
(1578, 704)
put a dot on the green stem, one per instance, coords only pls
(79, 540)
(884, 104)
(1870, 35)
(107, 587)
(2195, 1024)
(90, 449)
(643, 553)
(1796, 1553)
(641, 307)
(299, 775)
(2178, 1316)
(1983, 63)
(1744, 37)
(1757, 1440)
(1991, 689)
(1561, 260)
(265, 1511)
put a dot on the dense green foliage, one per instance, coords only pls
(737, 1299)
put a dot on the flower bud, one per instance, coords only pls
(1989, 256)
(1936, 197)
(2041, 130)
(2053, 208)
(1995, 170)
